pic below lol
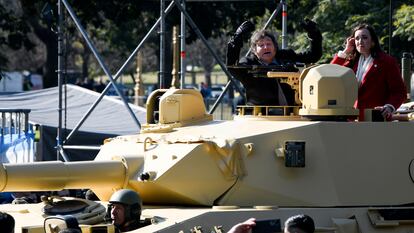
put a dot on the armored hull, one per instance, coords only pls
(194, 173)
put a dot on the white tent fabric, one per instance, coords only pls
(109, 118)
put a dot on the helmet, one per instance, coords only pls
(131, 200)
(126, 197)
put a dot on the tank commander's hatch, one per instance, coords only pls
(178, 107)
(153, 102)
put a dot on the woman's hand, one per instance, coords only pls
(350, 45)
(386, 111)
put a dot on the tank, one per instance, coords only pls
(196, 174)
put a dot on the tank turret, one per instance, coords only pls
(184, 157)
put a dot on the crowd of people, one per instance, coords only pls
(90, 84)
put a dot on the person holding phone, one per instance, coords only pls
(243, 227)
(300, 223)
(380, 82)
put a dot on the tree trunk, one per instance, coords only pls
(85, 59)
(49, 38)
(207, 75)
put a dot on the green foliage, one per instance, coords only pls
(118, 26)
(13, 34)
(404, 22)
(336, 18)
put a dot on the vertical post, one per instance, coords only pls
(182, 52)
(175, 82)
(26, 122)
(284, 24)
(10, 126)
(139, 87)
(3, 123)
(60, 77)
(3, 126)
(18, 124)
(162, 45)
(406, 70)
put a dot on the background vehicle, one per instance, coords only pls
(216, 90)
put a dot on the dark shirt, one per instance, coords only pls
(133, 225)
(265, 91)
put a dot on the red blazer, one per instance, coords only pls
(382, 83)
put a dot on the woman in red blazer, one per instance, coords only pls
(380, 83)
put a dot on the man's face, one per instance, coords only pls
(265, 50)
(118, 214)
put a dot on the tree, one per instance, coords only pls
(106, 19)
(336, 18)
(116, 27)
(403, 23)
(119, 25)
(199, 54)
(13, 34)
(404, 28)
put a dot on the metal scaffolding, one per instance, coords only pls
(185, 18)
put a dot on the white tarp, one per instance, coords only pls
(109, 118)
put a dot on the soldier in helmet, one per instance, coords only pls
(125, 209)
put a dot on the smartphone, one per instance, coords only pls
(267, 226)
(377, 116)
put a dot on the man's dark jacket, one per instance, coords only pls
(264, 91)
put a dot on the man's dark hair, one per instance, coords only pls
(258, 35)
(302, 222)
(6, 222)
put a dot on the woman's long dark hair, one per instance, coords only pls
(374, 50)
